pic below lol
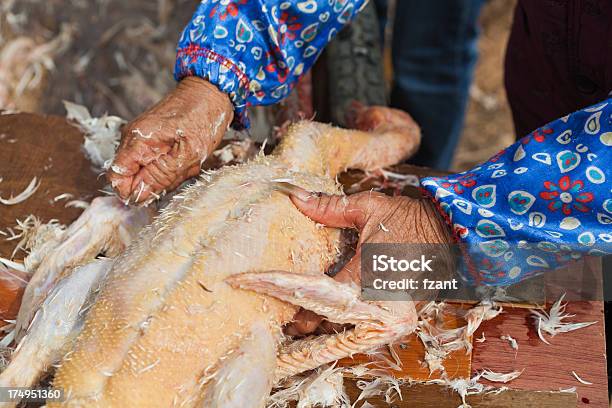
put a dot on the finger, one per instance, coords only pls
(336, 210)
(141, 192)
(159, 176)
(331, 210)
(305, 322)
(121, 184)
(138, 148)
(190, 172)
(128, 162)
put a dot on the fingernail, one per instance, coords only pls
(137, 194)
(292, 190)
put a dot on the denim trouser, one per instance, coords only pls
(434, 53)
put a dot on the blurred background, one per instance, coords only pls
(117, 57)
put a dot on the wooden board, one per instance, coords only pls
(412, 352)
(49, 148)
(549, 367)
(438, 396)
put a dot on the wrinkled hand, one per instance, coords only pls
(379, 219)
(167, 144)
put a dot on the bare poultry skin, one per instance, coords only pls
(166, 329)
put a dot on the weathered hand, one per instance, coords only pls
(167, 144)
(379, 219)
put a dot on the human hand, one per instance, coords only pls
(379, 219)
(167, 144)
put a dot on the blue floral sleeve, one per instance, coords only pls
(538, 204)
(255, 50)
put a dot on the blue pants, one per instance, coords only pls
(434, 53)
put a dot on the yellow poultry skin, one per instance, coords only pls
(167, 329)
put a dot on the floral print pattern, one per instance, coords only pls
(255, 50)
(540, 203)
(566, 195)
(459, 184)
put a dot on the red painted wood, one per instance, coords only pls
(548, 367)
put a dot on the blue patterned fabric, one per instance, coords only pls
(539, 203)
(255, 50)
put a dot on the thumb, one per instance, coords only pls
(335, 210)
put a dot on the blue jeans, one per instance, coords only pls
(434, 53)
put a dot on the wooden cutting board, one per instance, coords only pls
(49, 148)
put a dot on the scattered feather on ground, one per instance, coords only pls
(511, 340)
(14, 265)
(7, 334)
(500, 377)
(580, 380)
(465, 387)
(24, 195)
(552, 323)
(323, 387)
(77, 204)
(24, 64)
(382, 385)
(470, 386)
(64, 196)
(439, 341)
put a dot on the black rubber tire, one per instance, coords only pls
(355, 66)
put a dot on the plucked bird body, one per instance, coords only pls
(168, 329)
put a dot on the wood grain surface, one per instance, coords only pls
(548, 366)
(439, 396)
(49, 148)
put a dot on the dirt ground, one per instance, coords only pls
(121, 57)
(488, 126)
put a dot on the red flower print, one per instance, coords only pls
(458, 183)
(230, 10)
(539, 135)
(566, 195)
(287, 27)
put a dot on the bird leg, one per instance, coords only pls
(376, 323)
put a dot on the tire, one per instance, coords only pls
(355, 66)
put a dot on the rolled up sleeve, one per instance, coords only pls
(536, 205)
(256, 50)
